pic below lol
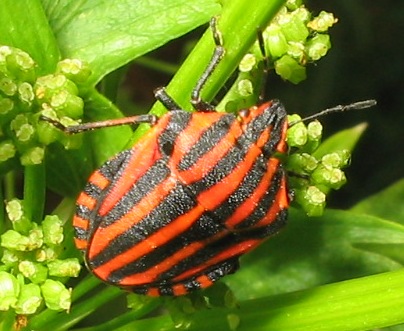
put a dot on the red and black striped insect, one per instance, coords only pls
(176, 211)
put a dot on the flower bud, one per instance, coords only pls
(7, 150)
(52, 228)
(74, 69)
(9, 290)
(33, 156)
(290, 70)
(29, 299)
(64, 268)
(312, 200)
(35, 272)
(56, 295)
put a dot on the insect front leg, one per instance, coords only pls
(73, 129)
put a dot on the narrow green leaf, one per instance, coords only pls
(24, 25)
(345, 139)
(366, 303)
(109, 34)
(387, 203)
(314, 251)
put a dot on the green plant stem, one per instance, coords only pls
(239, 24)
(63, 321)
(34, 191)
(126, 318)
(157, 64)
(86, 285)
(7, 320)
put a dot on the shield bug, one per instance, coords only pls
(176, 211)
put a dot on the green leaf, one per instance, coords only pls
(314, 251)
(387, 203)
(109, 34)
(345, 139)
(24, 25)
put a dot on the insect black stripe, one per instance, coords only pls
(208, 140)
(165, 212)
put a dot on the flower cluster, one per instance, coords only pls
(24, 97)
(32, 269)
(292, 40)
(310, 175)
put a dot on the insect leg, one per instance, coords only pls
(151, 119)
(161, 95)
(218, 53)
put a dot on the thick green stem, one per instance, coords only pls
(34, 191)
(239, 24)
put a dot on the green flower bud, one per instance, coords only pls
(293, 4)
(296, 135)
(312, 200)
(302, 14)
(329, 177)
(13, 240)
(64, 268)
(337, 159)
(56, 295)
(52, 228)
(9, 290)
(7, 86)
(29, 299)
(46, 86)
(322, 22)
(21, 65)
(25, 132)
(14, 210)
(26, 93)
(36, 237)
(275, 41)
(46, 254)
(296, 50)
(293, 28)
(245, 87)
(15, 213)
(68, 104)
(35, 272)
(9, 258)
(247, 63)
(7, 150)
(4, 52)
(318, 46)
(33, 156)
(290, 70)
(301, 163)
(314, 130)
(76, 70)
(6, 105)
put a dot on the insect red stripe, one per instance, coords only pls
(151, 274)
(209, 160)
(232, 251)
(281, 203)
(99, 180)
(216, 194)
(157, 239)
(135, 168)
(104, 235)
(248, 206)
(86, 201)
